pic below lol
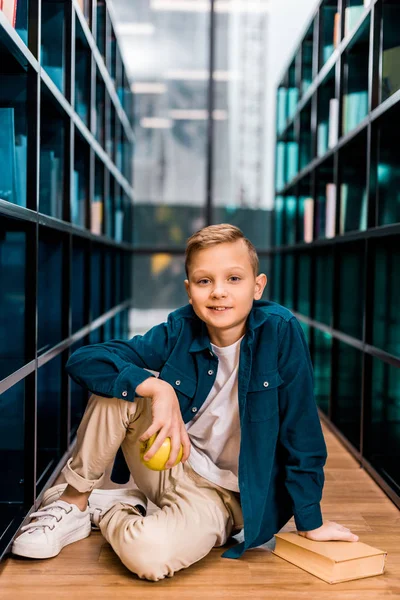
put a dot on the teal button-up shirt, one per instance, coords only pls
(282, 448)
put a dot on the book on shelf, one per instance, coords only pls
(327, 52)
(333, 122)
(352, 14)
(322, 138)
(293, 97)
(280, 165)
(119, 222)
(281, 110)
(330, 215)
(332, 561)
(7, 156)
(308, 220)
(292, 155)
(21, 153)
(336, 30)
(96, 217)
(9, 8)
(355, 108)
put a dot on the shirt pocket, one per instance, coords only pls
(182, 383)
(262, 395)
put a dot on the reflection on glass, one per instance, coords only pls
(386, 318)
(50, 290)
(322, 368)
(382, 431)
(48, 419)
(12, 297)
(324, 283)
(350, 318)
(390, 49)
(12, 452)
(346, 414)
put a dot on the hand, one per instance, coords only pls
(330, 530)
(167, 422)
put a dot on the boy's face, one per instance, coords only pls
(222, 276)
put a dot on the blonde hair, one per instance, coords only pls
(218, 234)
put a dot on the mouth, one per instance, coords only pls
(219, 308)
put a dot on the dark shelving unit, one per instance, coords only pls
(66, 230)
(336, 254)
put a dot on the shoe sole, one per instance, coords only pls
(28, 551)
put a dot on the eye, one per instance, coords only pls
(201, 280)
(234, 277)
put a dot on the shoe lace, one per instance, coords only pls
(46, 516)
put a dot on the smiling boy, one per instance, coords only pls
(235, 387)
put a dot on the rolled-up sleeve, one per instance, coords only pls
(300, 429)
(115, 368)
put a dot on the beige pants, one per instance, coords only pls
(194, 515)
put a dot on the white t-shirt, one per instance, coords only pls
(215, 430)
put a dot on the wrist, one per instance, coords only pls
(150, 386)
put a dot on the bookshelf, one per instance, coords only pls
(66, 199)
(335, 258)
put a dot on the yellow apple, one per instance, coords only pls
(158, 461)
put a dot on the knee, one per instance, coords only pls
(147, 556)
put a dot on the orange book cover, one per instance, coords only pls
(9, 8)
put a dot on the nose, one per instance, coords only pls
(218, 292)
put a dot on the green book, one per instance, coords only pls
(7, 156)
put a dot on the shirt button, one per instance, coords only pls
(210, 372)
(178, 382)
(266, 384)
(124, 394)
(194, 409)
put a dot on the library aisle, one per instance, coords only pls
(90, 568)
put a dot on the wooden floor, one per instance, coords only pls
(90, 569)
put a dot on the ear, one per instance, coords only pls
(261, 282)
(187, 290)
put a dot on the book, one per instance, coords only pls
(96, 217)
(280, 165)
(336, 30)
(308, 220)
(119, 220)
(352, 15)
(292, 157)
(7, 156)
(293, 97)
(355, 108)
(9, 8)
(332, 561)
(330, 208)
(281, 110)
(333, 122)
(21, 142)
(322, 138)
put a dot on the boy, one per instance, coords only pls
(235, 387)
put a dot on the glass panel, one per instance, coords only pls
(307, 59)
(78, 285)
(288, 270)
(351, 305)
(322, 368)
(324, 285)
(48, 420)
(53, 40)
(14, 138)
(353, 184)
(304, 287)
(386, 316)
(50, 289)
(355, 89)
(382, 432)
(52, 142)
(306, 153)
(79, 396)
(326, 200)
(328, 14)
(164, 273)
(12, 297)
(391, 49)
(82, 74)
(12, 418)
(346, 414)
(80, 183)
(388, 169)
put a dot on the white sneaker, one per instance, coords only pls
(57, 525)
(101, 500)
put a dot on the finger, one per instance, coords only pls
(154, 427)
(185, 441)
(175, 446)
(158, 442)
